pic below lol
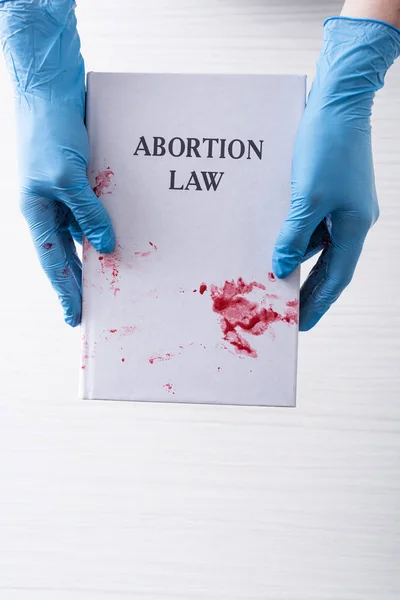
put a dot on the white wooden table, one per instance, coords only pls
(119, 500)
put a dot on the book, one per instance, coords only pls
(195, 172)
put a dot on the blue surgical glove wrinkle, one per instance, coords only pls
(42, 51)
(334, 202)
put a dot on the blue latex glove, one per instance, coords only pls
(42, 51)
(334, 201)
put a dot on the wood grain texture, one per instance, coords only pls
(119, 500)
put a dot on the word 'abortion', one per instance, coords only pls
(218, 148)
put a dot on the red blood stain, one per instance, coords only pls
(292, 312)
(127, 330)
(121, 331)
(122, 359)
(109, 267)
(170, 355)
(219, 369)
(103, 182)
(194, 291)
(293, 303)
(160, 357)
(148, 252)
(271, 276)
(237, 312)
(169, 388)
(85, 249)
(65, 272)
(85, 351)
(47, 246)
(267, 297)
(203, 288)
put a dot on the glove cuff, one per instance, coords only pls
(361, 20)
(42, 49)
(361, 47)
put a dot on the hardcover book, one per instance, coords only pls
(195, 172)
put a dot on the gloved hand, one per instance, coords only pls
(42, 51)
(334, 201)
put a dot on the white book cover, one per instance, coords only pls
(195, 172)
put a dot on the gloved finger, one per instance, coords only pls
(295, 235)
(73, 258)
(75, 230)
(334, 269)
(320, 238)
(92, 218)
(47, 220)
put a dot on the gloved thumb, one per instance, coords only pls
(294, 237)
(92, 218)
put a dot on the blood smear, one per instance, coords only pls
(128, 330)
(103, 182)
(160, 357)
(85, 249)
(238, 313)
(147, 252)
(109, 267)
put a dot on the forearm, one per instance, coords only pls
(382, 10)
